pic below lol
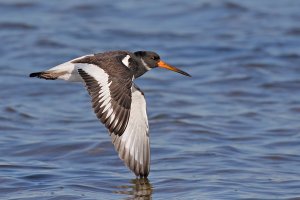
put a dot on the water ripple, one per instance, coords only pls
(229, 132)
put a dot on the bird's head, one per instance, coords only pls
(152, 60)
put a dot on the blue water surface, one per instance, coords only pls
(232, 131)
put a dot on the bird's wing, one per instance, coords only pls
(111, 96)
(121, 106)
(134, 145)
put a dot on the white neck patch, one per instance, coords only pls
(125, 61)
(145, 64)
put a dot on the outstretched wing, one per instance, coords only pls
(134, 144)
(111, 97)
(121, 106)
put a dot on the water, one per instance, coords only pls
(231, 131)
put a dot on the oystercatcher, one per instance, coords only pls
(118, 103)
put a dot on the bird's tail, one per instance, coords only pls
(48, 75)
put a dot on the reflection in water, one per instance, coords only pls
(140, 188)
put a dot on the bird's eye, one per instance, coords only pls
(155, 58)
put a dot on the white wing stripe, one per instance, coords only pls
(106, 103)
(112, 117)
(109, 112)
(102, 78)
(104, 92)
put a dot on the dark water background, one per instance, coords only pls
(232, 131)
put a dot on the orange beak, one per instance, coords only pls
(162, 64)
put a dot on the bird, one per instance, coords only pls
(116, 100)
